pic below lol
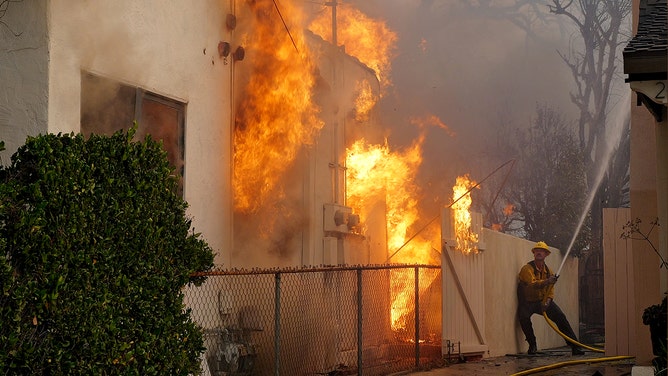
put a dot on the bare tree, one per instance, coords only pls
(544, 197)
(595, 68)
(594, 60)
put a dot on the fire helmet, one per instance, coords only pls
(541, 245)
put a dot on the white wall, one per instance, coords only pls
(23, 73)
(169, 48)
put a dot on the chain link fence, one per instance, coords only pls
(365, 320)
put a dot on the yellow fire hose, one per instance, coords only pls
(570, 362)
(569, 339)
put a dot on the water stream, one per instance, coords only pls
(619, 119)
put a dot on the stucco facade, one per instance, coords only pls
(172, 52)
(24, 74)
(168, 50)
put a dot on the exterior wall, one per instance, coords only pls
(171, 51)
(23, 73)
(649, 201)
(618, 284)
(644, 207)
(326, 175)
(504, 257)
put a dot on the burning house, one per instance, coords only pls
(266, 110)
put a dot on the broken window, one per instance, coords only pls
(108, 106)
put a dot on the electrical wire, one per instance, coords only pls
(285, 25)
(450, 205)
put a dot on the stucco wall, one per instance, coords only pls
(169, 50)
(504, 257)
(23, 73)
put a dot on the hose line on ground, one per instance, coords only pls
(569, 339)
(569, 363)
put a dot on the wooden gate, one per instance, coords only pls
(463, 291)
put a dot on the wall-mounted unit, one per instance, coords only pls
(339, 218)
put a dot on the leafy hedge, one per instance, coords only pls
(95, 249)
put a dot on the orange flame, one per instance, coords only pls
(373, 171)
(423, 45)
(365, 101)
(369, 40)
(432, 120)
(467, 240)
(508, 210)
(276, 114)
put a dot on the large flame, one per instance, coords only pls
(276, 114)
(375, 172)
(369, 40)
(365, 100)
(467, 240)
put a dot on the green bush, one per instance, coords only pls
(95, 248)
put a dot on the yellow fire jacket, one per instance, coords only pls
(532, 286)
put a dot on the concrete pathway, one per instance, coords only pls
(511, 364)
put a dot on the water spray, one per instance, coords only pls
(597, 182)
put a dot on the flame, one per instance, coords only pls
(375, 172)
(423, 45)
(365, 100)
(276, 114)
(369, 40)
(466, 239)
(432, 121)
(508, 210)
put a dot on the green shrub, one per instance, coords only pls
(95, 248)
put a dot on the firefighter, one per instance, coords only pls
(536, 295)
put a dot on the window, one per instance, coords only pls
(108, 106)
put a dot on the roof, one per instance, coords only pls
(645, 56)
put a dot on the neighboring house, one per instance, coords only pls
(645, 63)
(178, 68)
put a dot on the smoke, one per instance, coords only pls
(459, 63)
(457, 73)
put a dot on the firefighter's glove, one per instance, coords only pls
(551, 280)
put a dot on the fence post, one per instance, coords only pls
(359, 322)
(277, 323)
(417, 317)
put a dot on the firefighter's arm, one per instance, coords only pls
(528, 277)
